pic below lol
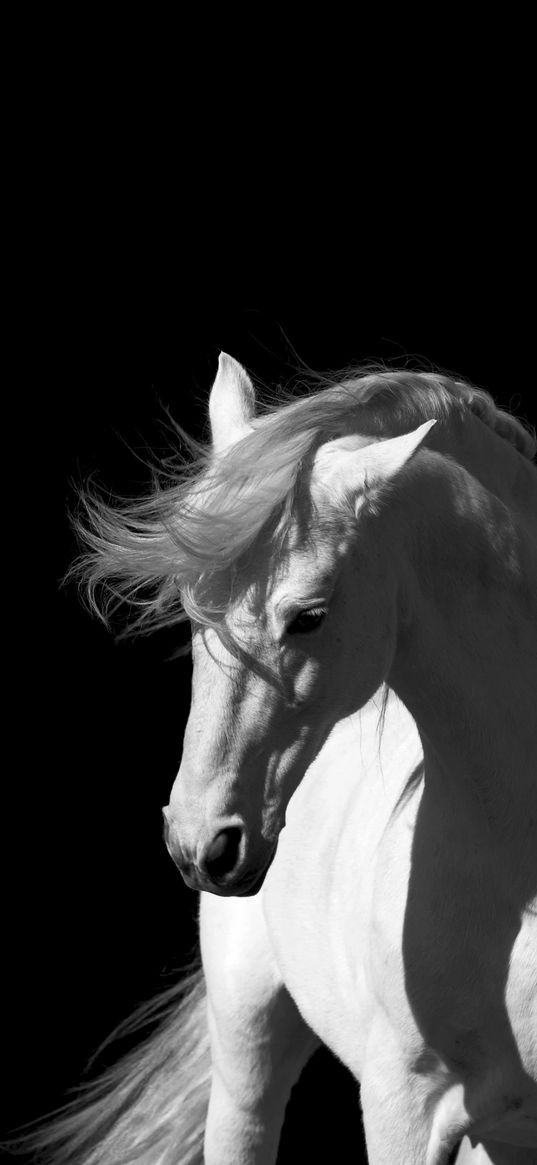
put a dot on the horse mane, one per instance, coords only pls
(177, 552)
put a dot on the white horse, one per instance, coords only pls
(368, 874)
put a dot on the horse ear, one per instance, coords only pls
(231, 404)
(347, 472)
(384, 459)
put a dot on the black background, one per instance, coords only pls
(174, 193)
(97, 917)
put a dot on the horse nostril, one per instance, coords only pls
(222, 855)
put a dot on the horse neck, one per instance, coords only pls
(494, 463)
(466, 657)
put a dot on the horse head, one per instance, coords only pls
(308, 635)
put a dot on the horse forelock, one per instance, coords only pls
(181, 551)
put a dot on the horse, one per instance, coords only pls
(357, 798)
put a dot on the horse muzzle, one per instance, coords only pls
(226, 864)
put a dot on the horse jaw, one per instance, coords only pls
(231, 404)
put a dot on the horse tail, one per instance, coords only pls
(149, 1108)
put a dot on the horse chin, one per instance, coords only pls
(255, 887)
(246, 886)
(259, 878)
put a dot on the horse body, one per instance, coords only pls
(405, 932)
(374, 890)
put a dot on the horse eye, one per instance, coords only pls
(307, 620)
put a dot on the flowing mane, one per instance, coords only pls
(161, 552)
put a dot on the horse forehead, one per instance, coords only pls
(312, 548)
(306, 570)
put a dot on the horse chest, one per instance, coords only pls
(314, 938)
(318, 902)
